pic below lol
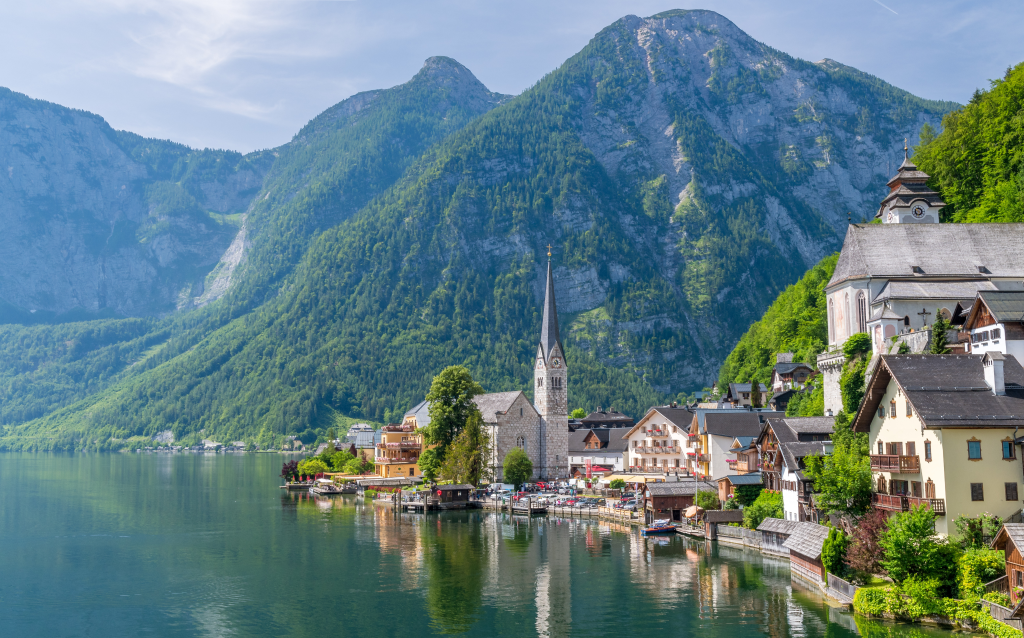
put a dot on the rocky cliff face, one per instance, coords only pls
(98, 221)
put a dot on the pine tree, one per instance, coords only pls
(939, 329)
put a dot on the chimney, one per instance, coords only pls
(993, 364)
(784, 357)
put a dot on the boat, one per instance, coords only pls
(325, 487)
(662, 526)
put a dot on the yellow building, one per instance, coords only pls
(399, 451)
(941, 431)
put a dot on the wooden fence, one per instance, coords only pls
(841, 589)
(1002, 614)
(739, 536)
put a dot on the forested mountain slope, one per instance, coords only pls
(104, 222)
(682, 172)
(976, 164)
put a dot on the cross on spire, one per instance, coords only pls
(905, 156)
(549, 251)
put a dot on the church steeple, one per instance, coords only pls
(549, 337)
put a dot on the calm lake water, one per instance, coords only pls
(186, 545)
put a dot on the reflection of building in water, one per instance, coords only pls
(554, 589)
(401, 535)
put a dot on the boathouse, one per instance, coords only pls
(804, 546)
(1010, 540)
(454, 496)
(774, 533)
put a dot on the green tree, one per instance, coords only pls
(430, 464)
(578, 413)
(755, 393)
(909, 545)
(833, 551)
(842, 479)
(451, 405)
(339, 460)
(466, 461)
(939, 336)
(517, 467)
(617, 484)
(706, 499)
(747, 494)
(312, 467)
(767, 505)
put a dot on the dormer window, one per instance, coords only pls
(917, 270)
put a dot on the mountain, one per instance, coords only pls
(683, 173)
(103, 222)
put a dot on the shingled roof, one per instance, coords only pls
(612, 443)
(777, 526)
(933, 289)
(789, 429)
(964, 247)
(789, 366)
(680, 488)
(1013, 532)
(1003, 306)
(495, 402)
(734, 424)
(947, 391)
(807, 539)
(793, 451)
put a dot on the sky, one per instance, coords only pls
(248, 74)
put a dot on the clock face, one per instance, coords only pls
(918, 211)
(556, 363)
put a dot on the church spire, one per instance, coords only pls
(549, 336)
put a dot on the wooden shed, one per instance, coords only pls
(804, 546)
(670, 499)
(774, 533)
(1010, 539)
(454, 496)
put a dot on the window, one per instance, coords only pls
(974, 450)
(521, 442)
(892, 408)
(881, 412)
(910, 409)
(915, 489)
(995, 333)
(880, 447)
(927, 450)
(831, 323)
(977, 491)
(1020, 578)
(1011, 491)
(911, 448)
(520, 412)
(862, 312)
(1008, 450)
(540, 382)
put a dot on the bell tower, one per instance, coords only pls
(550, 390)
(910, 201)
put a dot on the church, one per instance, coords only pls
(540, 428)
(893, 277)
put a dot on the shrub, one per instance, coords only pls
(909, 544)
(864, 551)
(833, 551)
(370, 493)
(767, 505)
(977, 567)
(974, 533)
(706, 499)
(859, 343)
(730, 504)
(998, 598)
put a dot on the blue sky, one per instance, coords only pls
(244, 74)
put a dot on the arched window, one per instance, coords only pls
(862, 312)
(521, 442)
(831, 323)
(906, 321)
(847, 315)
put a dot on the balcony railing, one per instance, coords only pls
(896, 463)
(400, 445)
(703, 458)
(386, 460)
(657, 433)
(902, 503)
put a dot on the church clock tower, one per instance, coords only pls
(550, 390)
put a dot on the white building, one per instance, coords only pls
(995, 323)
(597, 447)
(659, 441)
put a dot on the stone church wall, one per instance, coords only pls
(509, 428)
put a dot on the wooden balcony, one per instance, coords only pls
(896, 463)
(901, 503)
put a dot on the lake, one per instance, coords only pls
(207, 545)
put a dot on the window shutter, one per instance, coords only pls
(911, 448)
(1011, 491)
(929, 489)
(977, 492)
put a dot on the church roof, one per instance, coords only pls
(933, 290)
(494, 403)
(972, 251)
(549, 336)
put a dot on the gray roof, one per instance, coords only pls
(734, 424)
(938, 249)
(789, 429)
(948, 391)
(777, 525)
(609, 417)
(452, 488)
(793, 451)
(723, 516)
(807, 539)
(956, 290)
(680, 488)
(884, 312)
(1004, 306)
(494, 402)
(422, 413)
(702, 414)
(612, 441)
(785, 368)
(753, 478)
(680, 417)
(1015, 532)
(549, 336)
(735, 388)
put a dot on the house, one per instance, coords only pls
(788, 374)
(714, 432)
(942, 430)
(804, 545)
(1010, 540)
(783, 444)
(739, 394)
(995, 323)
(774, 534)
(727, 484)
(602, 447)
(658, 442)
(670, 499)
(606, 419)
(891, 278)
(747, 459)
(362, 435)
(399, 451)
(780, 400)
(454, 496)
